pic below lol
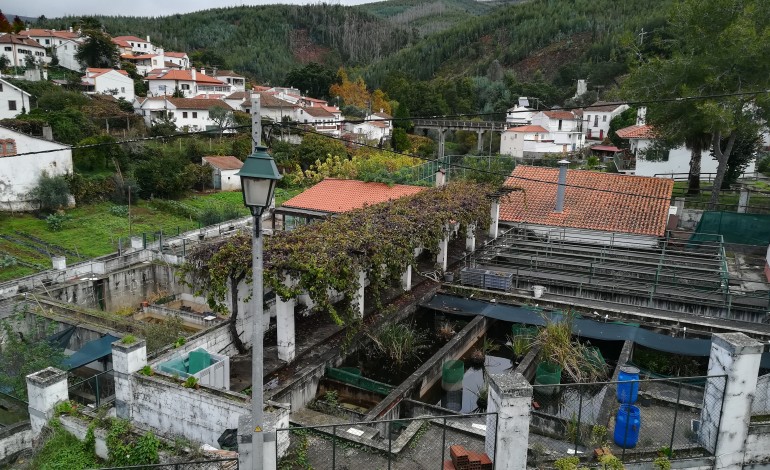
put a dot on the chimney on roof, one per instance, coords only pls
(203, 71)
(193, 73)
(148, 38)
(47, 133)
(563, 165)
(70, 28)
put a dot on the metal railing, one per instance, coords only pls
(422, 442)
(94, 390)
(634, 419)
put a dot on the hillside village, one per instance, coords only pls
(549, 277)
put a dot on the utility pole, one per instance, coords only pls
(256, 121)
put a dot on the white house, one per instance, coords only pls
(376, 127)
(527, 142)
(324, 119)
(109, 82)
(134, 44)
(189, 82)
(521, 114)
(274, 108)
(62, 44)
(17, 48)
(598, 116)
(224, 169)
(145, 63)
(189, 114)
(13, 100)
(565, 128)
(19, 173)
(238, 82)
(180, 59)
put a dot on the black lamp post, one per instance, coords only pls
(259, 176)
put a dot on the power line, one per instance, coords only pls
(479, 170)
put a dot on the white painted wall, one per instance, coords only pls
(587, 236)
(598, 122)
(20, 174)
(14, 440)
(116, 84)
(17, 54)
(65, 50)
(678, 161)
(12, 96)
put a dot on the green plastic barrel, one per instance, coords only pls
(199, 360)
(453, 372)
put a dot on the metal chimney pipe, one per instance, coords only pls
(563, 165)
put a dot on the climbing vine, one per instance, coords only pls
(327, 256)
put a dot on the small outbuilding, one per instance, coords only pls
(224, 169)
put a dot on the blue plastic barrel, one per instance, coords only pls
(628, 388)
(628, 422)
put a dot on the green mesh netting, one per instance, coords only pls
(357, 380)
(453, 372)
(743, 229)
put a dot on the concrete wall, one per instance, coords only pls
(13, 440)
(757, 444)
(200, 415)
(689, 219)
(20, 174)
(587, 236)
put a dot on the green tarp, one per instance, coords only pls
(735, 228)
(90, 352)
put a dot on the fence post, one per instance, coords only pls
(334, 447)
(725, 421)
(390, 442)
(580, 413)
(443, 445)
(97, 390)
(510, 397)
(676, 412)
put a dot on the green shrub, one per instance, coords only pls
(51, 192)
(55, 222)
(176, 208)
(191, 382)
(763, 164)
(567, 463)
(119, 211)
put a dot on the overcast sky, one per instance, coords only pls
(54, 8)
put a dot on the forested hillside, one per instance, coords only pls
(267, 41)
(586, 35)
(429, 16)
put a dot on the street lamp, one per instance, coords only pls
(259, 176)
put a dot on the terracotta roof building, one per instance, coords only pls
(333, 196)
(593, 201)
(643, 131)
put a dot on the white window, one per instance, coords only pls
(122, 89)
(184, 114)
(12, 105)
(1, 87)
(195, 115)
(604, 118)
(8, 48)
(185, 86)
(48, 41)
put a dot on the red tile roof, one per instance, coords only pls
(16, 39)
(95, 72)
(605, 148)
(185, 75)
(227, 162)
(269, 100)
(335, 195)
(559, 114)
(129, 38)
(637, 204)
(49, 33)
(604, 107)
(317, 111)
(528, 129)
(636, 132)
(177, 55)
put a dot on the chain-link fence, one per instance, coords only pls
(632, 419)
(213, 464)
(760, 407)
(415, 443)
(95, 390)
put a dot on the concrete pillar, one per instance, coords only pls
(440, 177)
(284, 315)
(470, 238)
(743, 200)
(441, 142)
(724, 426)
(679, 204)
(269, 457)
(59, 263)
(45, 388)
(126, 359)
(406, 279)
(510, 396)
(479, 141)
(137, 243)
(359, 300)
(495, 214)
(306, 300)
(443, 249)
